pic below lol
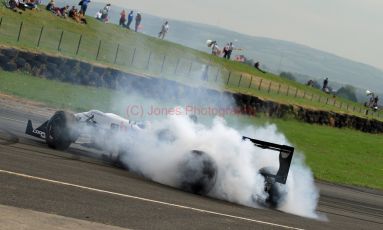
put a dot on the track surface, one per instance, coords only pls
(72, 184)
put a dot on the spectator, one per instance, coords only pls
(13, 5)
(138, 21)
(230, 50)
(72, 11)
(122, 18)
(105, 13)
(376, 99)
(325, 85)
(226, 51)
(256, 65)
(130, 19)
(64, 11)
(30, 4)
(99, 15)
(310, 83)
(164, 30)
(50, 6)
(84, 6)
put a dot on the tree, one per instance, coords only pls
(347, 92)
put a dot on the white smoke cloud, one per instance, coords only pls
(238, 162)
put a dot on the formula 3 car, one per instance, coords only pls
(64, 128)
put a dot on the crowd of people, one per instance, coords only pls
(69, 12)
(225, 52)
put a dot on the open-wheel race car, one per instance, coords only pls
(199, 170)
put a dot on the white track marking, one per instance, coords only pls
(144, 199)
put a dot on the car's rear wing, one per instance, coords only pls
(285, 157)
(40, 132)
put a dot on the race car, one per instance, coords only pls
(199, 171)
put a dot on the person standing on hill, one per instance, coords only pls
(230, 50)
(130, 19)
(84, 6)
(325, 85)
(122, 18)
(138, 21)
(164, 30)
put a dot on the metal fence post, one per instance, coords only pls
(175, 70)
(304, 94)
(21, 27)
(268, 90)
(163, 63)
(115, 57)
(190, 68)
(240, 79)
(133, 56)
(79, 44)
(150, 56)
(327, 101)
(279, 88)
(41, 34)
(296, 92)
(1, 21)
(260, 83)
(61, 38)
(228, 79)
(251, 81)
(218, 73)
(98, 50)
(288, 89)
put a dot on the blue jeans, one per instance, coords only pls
(83, 8)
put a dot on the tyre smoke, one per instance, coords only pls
(161, 150)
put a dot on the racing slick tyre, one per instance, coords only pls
(275, 194)
(58, 132)
(198, 173)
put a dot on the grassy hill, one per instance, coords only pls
(276, 55)
(336, 155)
(114, 46)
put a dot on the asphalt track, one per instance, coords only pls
(72, 184)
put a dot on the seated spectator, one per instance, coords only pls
(79, 17)
(50, 6)
(12, 4)
(72, 11)
(99, 15)
(64, 11)
(30, 4)
(256, 65)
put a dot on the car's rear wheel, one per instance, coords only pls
(198, 173)
(58, 132)
(276, 195)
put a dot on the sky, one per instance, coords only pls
(348, 28)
